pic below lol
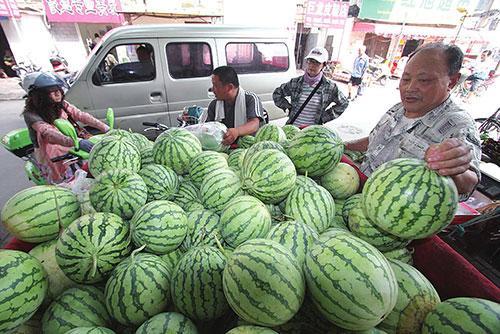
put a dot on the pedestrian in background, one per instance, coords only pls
(358, 71)
(314, 98)
(480, 70)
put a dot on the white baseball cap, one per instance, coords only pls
(318, 54)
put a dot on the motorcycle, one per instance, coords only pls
(377, 71)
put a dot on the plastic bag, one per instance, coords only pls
(80, 186)
(210, 134)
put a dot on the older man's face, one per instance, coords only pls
(425, 82)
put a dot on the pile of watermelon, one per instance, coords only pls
(272, 237)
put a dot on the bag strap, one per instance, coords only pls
(292, 120)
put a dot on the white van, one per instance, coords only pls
(151, 72)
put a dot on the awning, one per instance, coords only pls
(416, 32)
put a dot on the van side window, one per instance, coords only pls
(257, 57)
(189, 60)
(126, 63)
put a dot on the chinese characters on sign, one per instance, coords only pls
(90, 11)
(326, 13)
(9, 8)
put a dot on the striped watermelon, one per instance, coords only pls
(290, 131)
(244, 218)
(315, 150)
(338, 220)
(36, 214)
(168, 323)
(162, 182)
(342, 181)
(363, 228)
(23, 286)
(58, 281)
(205, 163)
(140, 141)
(196, 284)
(218, 188)
(295, 236)
(173, 257)
(120, 133)
(138, 289)
(90, 330)
(246, 141)
(89, 249)
(416, 298)
(251, 330)
(82, 306)
(405, 198)
(147, 156)
(114, 153)
(161, 226)
(187, 194)
(270, 132)
(463, 315)
(121, 192)
(401, 254)
(311, 205)
(236, 157)
(204, 228)
(303, 180)
(175, 148)
(350, 203)
(362, 293)
(263, 282)
(269, 175)
(257, 147)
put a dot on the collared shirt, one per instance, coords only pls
(333, 102)
(360, 66)
(389, 141)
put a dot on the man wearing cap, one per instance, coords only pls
(314, 98)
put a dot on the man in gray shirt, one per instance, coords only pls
(240, 111)
(427, 124)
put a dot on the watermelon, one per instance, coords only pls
(90, 330)
(138, 288)
(350, 203)
(147, 156)
(416, 298)
(196, 284)
(338, 220)
(187, 194)
(295, 236)
(81, 306)
(342, 181)
(303, 180)
(263, 282)
(205, 163)
(251, 330)
(236, 157)
(400, 254)
(121, 192)
(315, 150)
(290, 131)
(204, 228)
(218, 188)
(173, 257)
(246, 141)
(250, 152)
(140, 141)
(407, 199)
(269, 175)
(89, 249)
(175, 148)
(162, 183)
(160, 226)
(270, 132)
(23, 287)
(114, 152)
(168, 323)
(36, 214)
(362, 293)
(363, 228)
(311, 205)
(120, 133)
(57, 280)
(463, 315)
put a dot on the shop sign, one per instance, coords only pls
(416, 11)
(326, 13)
(86, 11)
(9, 8)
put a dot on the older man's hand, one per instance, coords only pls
(230, 136)
(450, 158)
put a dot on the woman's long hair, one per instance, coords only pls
(38, 102)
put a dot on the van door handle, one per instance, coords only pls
(155, 97)
(210, 94)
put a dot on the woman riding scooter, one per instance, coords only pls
(45, 103)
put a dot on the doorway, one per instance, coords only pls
(6, 56)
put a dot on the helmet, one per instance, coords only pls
(37, 80)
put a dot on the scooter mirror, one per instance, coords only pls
(110, 118)
(67, 129)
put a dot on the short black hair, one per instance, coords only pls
(227, 75)
(454, 56)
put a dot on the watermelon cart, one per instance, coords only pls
(227, 247)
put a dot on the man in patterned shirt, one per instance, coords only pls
(427, 124)
(326, 104)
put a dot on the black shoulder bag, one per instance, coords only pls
(291, 120)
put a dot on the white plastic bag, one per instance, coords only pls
(210, 135)
(80, 186)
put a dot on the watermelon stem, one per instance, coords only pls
(219, 245)
(135, 251)
(94, 265)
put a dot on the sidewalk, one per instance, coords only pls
(10, 89)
